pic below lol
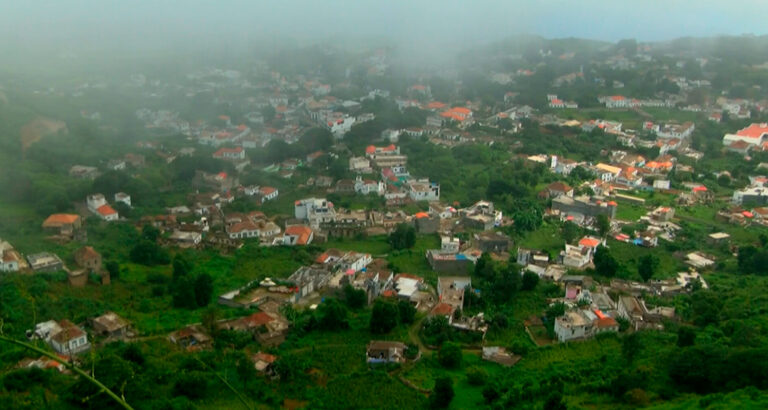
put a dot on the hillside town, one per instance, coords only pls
(291, 225)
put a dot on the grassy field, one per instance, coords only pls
(546, 238)
(628, 255)
(424, 373)
(375, 245)
(414, 260)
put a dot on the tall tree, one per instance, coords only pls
(603, 225)
(383, 317)
(605, 263)
(647, 266)
(442, 395)
(450, 355)
(203, 288)
(403, 237)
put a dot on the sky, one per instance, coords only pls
(425, 23)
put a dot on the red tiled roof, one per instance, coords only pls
(303, 233)
(257, 319)
(589, 242)
(740, 144)
(223, 151)
(106, 210)
(389, 293)
(264, 357)
(242, 226)
(606, 321)
(56, 220)
(753, 131)
(442, 309)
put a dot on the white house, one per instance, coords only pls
(123, 197)
(754, 135)
(423, 190)
(369, 186)
(63, 336)
(341, 126)
(242, 230)
(268, 193)
(607, 173)
(449, 244)
(95, 201)
(354, 261)
(572, 325)
(681, 131)
(315, 210)
(237, 153)
(9, 258)
(188, 238)
(390, 135)
(360, 164)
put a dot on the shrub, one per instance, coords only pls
(450, 355)
(477, 376)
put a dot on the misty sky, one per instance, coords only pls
(435, 22)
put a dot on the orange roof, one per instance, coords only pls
(264, 357)
(106, 210)
(618, 98)
(420, 215)
(606, 321)
(556, 101)
(389, 293)
(266, 190)
(302, 232)
(461, 110)
(419, 87)
(322, 257)
(223, 151)
(599, 313)
(242, 127)
(589, 242)
(224, 117)
(740, 144)
(370, 149)
(434, 105)
(242, 227)
(612, 203)
(56, 220)
(257, 319)
(753, 131)
(700, 188)
(442, 309)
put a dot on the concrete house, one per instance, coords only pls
(62, 224)
(110, 325)
(87, 258)
(63, 336)
(385, 352)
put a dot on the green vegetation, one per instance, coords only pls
(711, 356)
